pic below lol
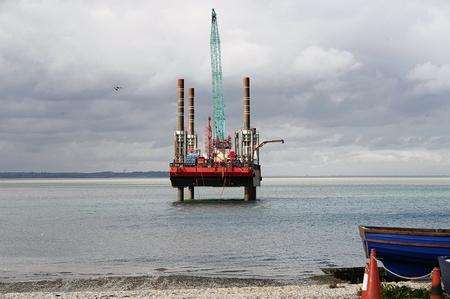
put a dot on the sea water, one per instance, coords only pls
(127, 227)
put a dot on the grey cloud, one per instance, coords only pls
(354, 87)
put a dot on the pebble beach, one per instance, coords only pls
(314, 290)
(290, 291)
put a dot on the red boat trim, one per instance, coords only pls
(403, 231)
(408, 243)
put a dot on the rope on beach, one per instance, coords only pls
(404, 277)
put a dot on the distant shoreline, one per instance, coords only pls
(357, 176)
(83, 175)
(165, 174)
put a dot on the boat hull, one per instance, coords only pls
(406, 252)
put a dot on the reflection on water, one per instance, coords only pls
(78, 228)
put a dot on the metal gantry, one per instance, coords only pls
(219, 131)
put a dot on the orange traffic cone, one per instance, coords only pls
(365, 281)
(373, 283)
(436, 289)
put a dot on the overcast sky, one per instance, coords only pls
(354, 87)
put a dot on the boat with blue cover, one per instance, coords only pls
(406, 252)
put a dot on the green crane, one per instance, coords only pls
(219, 132)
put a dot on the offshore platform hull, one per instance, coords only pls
(221, 167)
(215, 176)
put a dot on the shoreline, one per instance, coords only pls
(290, 291)
(175, 286)
(178, 286)
(120, 283)
(165, 175)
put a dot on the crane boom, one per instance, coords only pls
(268, 141)
(217, 86)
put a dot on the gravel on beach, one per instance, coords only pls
(208, 289)
(289, 291)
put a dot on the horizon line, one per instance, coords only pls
(164, 173)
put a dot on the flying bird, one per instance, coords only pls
(117, 87)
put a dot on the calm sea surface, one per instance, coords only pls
(83, 228)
